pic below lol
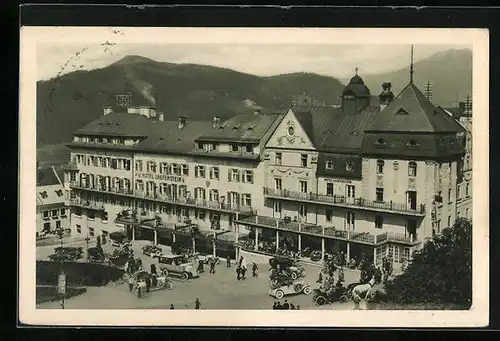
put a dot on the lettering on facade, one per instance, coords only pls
(163, 177)
(342, 181)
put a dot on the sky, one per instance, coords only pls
(335, 60)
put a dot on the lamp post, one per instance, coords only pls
(62, 276)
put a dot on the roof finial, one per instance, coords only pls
(356, 70)
(411, 66)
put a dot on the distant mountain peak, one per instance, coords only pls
(133, 59)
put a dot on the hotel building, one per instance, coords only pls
(374, 177)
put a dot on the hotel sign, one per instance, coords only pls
(336, 180)
(162, 177)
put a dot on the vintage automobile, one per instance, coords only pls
(137, 283)
(205, 258)
(291, 289)
(288, 266)
(335, 294)
(177, 265)
(152, 251)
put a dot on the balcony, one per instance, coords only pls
(342, 201)
(365, 238)
(92, 204)
(169, 199)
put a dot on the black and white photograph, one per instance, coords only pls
(242, 171)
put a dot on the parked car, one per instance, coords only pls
(292, 289)
(152, 251)
(288, 266)
(176, 265)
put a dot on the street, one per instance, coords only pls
(215, 291)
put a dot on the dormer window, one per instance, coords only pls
(380, 166)
(329, 164)
(412, 144)
(236, 127)
(441, 142)
(44, 194)
(349, 166)
(249, 148)
(235, 147)
(402, 112)
(380, 142)
(59, 193)
(199, 145)
(452, 143)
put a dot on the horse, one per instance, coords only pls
(363, 291)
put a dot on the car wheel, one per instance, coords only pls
(169, 285)
(294, 275)
(279, 294)
(320, 300)
(164, 272)
(185, 276)
(343, 298)
(307, 290)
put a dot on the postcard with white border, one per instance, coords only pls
(208, 176)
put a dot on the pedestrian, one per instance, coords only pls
(238, 273)
(286, 305)
(279, 306)
(200, 269)
(172, 306)
(197, 303)
(243, 272)
(147, 279)
(274, 305)
(254, 269)
(292, 306)
(298, 307)
(320, 278)
(228, 262)
(212, 266)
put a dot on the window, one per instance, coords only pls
(44, 194)
(78, 228)
(151, 166)
(164, 188)
(54, 213)
(199, 145)
(406, 253)
(114, 164)
(248, 177)
(199, 171)
(104, 217)
(278, 183)
(328, 215)
(235, 147)
(412, 168)
(302, 210)
(58, 225)
(199, 193)
(449, 195)
(278, 159)
(138, 165)
(185, 170)
(234, 175)
(350, 219)
(303, 160)
(459, 194)
(46, 226)
(214, 173)
(63, 212)
(214, 195)
(248, 148)
(329, 189)
(467, 162)
(72, 177)
(246, 200)
(45, 214)
(351, 191)
(277, 207)
(303, 186)
(449, 221)
(412, 144)
(200, 214)
(379, 221)
(380, 142)
(176, 169)
(380, 166)
(139, 185)
(91, 232)
(329, 164)
(164, 168)
(349, 166)
(467, 189)
(379, 194)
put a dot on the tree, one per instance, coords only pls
(440, 272)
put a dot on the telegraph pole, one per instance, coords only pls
(428, 90)
(62, 275)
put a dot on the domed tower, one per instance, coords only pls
(355, 96)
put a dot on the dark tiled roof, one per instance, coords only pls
(332, 130)
(357, 86)
(118, 124)
(242, 127)
(411, 111)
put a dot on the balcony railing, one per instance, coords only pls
(92, 204)
(191, 202)
(329, 232)
(337, 200)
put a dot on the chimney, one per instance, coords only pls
(216, 121)
(147, 111)
(257, 112)
(161, 116)
(108, 110)
(181, 121)
(386, 96)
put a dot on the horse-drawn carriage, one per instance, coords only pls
(290, 289)
(143, 282)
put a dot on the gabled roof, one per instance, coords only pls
(411, 111)
(333, 130)
(118, 124)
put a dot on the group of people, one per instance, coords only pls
(241, 268)
(285, 306)
(212, 262)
